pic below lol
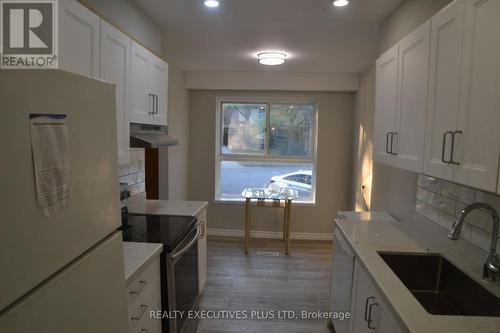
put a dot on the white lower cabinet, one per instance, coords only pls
(202, 250)
(144, 296)
(369, 313)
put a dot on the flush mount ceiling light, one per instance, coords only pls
(340, 3)
(211, 3)
(271, 58)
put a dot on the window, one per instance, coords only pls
(260, 141)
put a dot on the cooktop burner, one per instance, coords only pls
(168, 230)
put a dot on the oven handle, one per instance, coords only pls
(195, 239)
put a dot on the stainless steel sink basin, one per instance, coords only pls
(440, 287)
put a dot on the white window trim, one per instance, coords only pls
(264, 100)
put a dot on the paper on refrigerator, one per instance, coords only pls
(49, 144)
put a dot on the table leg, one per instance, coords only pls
(247, 224)
(288, 227)
(284, 222)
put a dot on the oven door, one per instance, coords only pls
(183, 282)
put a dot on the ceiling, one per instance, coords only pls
(318, 36)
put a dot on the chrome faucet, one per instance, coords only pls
(492, 264)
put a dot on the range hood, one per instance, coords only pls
(150, 136)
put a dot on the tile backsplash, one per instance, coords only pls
(442, 202)
(133, 173)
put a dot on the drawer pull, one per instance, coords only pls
(138, 291)
(144, 308)
(145, 330)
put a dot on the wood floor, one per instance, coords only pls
(298, 282)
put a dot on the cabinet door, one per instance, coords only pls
(363, 296)
(386, 87)
(369, 311)
(159, 87)
(444, 88)
(79, 34)
(477, 148)
(386, 323)
(141, 96)
(413, 80)
(202, 251)
(115, 68)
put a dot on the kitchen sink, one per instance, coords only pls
(440, 287)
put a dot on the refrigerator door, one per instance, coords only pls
(33, 246)
(86, 296)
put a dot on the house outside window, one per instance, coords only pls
(264, 142)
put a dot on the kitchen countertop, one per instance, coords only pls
(367, 238)
(137, 255)
(140, 205)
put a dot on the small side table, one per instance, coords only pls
(275, 198)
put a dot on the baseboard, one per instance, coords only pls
(268, 234)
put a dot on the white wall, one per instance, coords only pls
(334, 164)
(126, 15)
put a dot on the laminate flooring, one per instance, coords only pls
(261, 286)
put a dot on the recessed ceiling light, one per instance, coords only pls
(340, 3)
(211, 3)
(272, 58)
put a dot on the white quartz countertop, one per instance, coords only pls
(140, 205)
(137, 255)
(422, 236)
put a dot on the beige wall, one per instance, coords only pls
(362, 143)
(393, 190)
(178, 127)
(333, 168)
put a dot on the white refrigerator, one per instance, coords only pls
(61, 272)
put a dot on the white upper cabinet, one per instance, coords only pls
(149, 87)
(413, 73)
(79, 35)
(115, 68)
(478, 140)
(141, 98)
(385, 105)
(444, 89)
(159, 79)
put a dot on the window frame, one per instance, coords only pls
(266, 157)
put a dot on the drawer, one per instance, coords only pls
(141, 282)
(139, 312)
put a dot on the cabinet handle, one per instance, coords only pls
(370, 320)
(452, 161)
(156, 99)
(136, 292)
(144, 330)
(203, 227)
(143, 311)
(392, 143)
(152, 103)
(368, 299)
(387, 142)
(443, 151)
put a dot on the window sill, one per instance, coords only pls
(242, 202)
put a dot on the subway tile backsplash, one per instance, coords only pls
(133, 173)
(442, 202)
